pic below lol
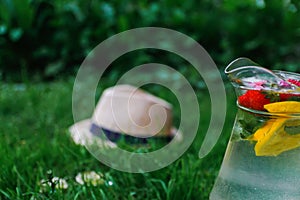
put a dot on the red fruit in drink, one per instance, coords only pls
(285, 97)
(295, 82)
(253, 99)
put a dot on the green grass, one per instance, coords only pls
(34, 120)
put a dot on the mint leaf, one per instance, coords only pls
(250, 124)
(273, 96)
(294, 98)
(292, 130)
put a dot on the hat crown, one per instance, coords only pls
(130, 110)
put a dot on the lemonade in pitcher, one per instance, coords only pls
(262, 159)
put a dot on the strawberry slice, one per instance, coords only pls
(286, 97)
(253, 99)
(295, 82)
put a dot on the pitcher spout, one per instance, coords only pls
(248, 75)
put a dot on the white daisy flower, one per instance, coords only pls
(90, 178)
(60, 183)
(110, 183)
(44, 185)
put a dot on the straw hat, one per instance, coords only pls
(127, 112)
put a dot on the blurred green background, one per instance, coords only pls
(42, 45)
(43, 40)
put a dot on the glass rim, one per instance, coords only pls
(265, 113)
(276, 71)
(280, 73)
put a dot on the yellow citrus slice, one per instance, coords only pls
(277, 144)
(283, 107)
(272, 139)
(261, 132)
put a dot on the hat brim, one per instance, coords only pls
(81, 135)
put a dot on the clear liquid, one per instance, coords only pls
(243, 175)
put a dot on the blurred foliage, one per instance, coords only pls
(43, 39)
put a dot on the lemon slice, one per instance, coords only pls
(280, 134)
(272, 139)
(261, 132)
(283, 107)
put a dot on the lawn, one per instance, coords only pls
(34, 141)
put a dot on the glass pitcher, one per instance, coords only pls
(262, 159)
